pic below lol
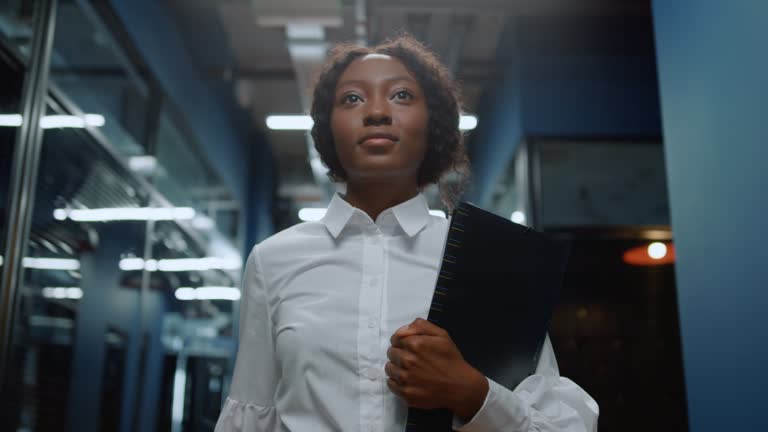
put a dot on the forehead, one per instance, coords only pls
(373, 68)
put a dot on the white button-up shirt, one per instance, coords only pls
(320, 301)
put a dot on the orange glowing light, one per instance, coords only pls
(651, 254)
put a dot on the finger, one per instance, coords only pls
(393, 372)
(394, 387)
(395, 355)
(428, 328)
(420, 326)
(414, 344)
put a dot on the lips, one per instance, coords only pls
(377, 137)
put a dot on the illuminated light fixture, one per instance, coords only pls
(203, 222)
(289, 122)
(70, 121)
(657, 250)
(467, 122)
(656, 253)
(51, 263)
(208, 293)
(437, 213)
(311, 214)
(181, 264)
(71, 293)
(125, 214)
(304, 122)
(56, 121)
(142, 164)
(179, 390)
(11, 120)
(518, 217)
(129, 264)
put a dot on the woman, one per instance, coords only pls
(328, 340)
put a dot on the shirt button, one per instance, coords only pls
(372, 374)
(371, 322)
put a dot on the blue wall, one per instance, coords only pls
(579, 77)
(713, 74)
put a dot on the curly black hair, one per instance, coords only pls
(446, 151)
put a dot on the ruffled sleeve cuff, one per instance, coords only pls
(540, 403)
(501, 410)
(237, 416)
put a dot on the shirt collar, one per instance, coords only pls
(411, 215)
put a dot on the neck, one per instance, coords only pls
(373, 197)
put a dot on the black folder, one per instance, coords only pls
(495, 292)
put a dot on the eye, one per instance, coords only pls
(350, 98)
(403, 95)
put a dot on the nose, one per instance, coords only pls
(378, 112)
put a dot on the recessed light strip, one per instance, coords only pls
(125, 214)
(56, 121)
(304, 122)
(208, 293)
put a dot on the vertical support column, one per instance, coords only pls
(100, 282)
(132, 384)
(24, 172)
(149, 400)
(712, 75)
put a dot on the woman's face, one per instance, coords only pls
(379, 120)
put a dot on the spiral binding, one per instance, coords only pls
(426, 420)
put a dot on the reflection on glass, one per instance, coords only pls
(93, 71)
(77, 317)
(197, 327)
(16, 23)
(111, 321)
(12, 77)
(182, 175)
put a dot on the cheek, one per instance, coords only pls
(341, 129)
(418, 129)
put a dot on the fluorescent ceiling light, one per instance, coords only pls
(311, 214)
(467, 122)
(203, 222)
(289, 122)
(208, 293)
(304, 122)
(70, 121)
(181, 264)
(71, 293)
(126, 213)
(51, 263)
(142, 164)
(56, 121)
(11, 120)
(48, 263)
(299, 30)
(518, 217)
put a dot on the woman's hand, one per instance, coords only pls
(427, 370)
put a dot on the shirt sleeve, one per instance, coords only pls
(250, 404)
(543, 402)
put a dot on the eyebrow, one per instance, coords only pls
(388, 80)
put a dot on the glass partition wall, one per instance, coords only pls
(123, 307)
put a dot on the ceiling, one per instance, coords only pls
(242, 45)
